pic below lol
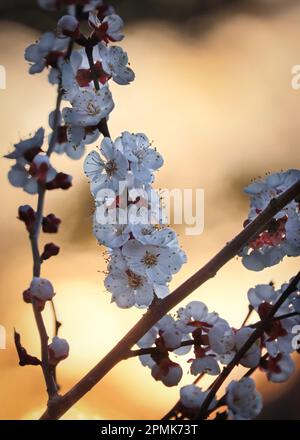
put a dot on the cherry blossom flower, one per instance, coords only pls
(205, 364)
(46, 52)
(114, 62)
(88, 108)
(111, 170)
(279, 368)
(143, 159)
(168, 372)
(281, 236)
(31, 167)
(243, 401)
(109, 29)
(278, 335)
(25, 150)
(129, 288)
(252, 357)
(260, 294)
(72, 140)
(196, 315)
(221, 339)
(192, 397)
(111, 235)
(156, 262)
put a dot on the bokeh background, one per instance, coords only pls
(213, 91)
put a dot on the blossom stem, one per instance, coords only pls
(250, 310)
(103, 127)
(153, 350)
(258, 332)
(162, 307)
(89, 53)
(49, 373)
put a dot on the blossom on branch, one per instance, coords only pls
(282, 235)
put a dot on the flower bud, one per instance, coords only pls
(42, 289)
(27, 215)
(69, 26)
(58, 350)
(168, 372)
(50, 250)
(61, 180)
(50, 224)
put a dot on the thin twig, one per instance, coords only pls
(49, 374)
(162, 307)
(250, 310)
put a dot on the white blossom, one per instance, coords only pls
(168, 372)
(280, 369)
(143, 159)
(112, 169)
(195, 313)
(109, 29)
(252, 357)
(281, 236)
(88, 108)
(46, 52)
(222, 340)
(114, 62)
(261, 293)
(192, 397)
(128, 288)
(156, 262)
(243, 401)
(205, 364)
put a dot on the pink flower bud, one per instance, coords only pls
(69, 26)
(41, 289)
(58, 350)
(168, 372)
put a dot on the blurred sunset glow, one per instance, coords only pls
(221, 110)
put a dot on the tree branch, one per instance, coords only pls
(155, 313)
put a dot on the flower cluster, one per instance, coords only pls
(143, 255)
(278, 337)
(244, 402)
(215, 342)
(32, 167)
(282, 235)
(83, 75)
